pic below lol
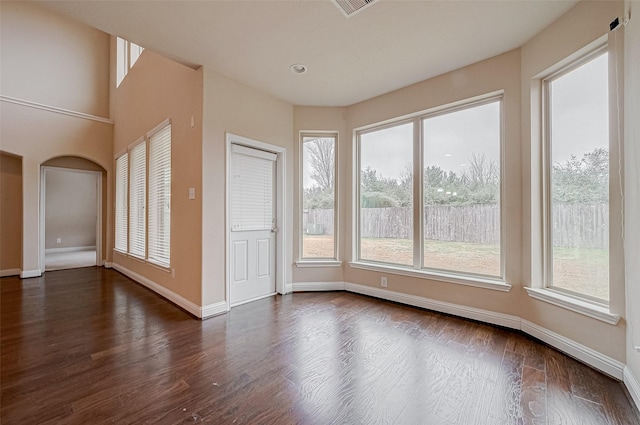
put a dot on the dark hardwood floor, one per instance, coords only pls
(89, 346)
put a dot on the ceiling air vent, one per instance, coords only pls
(351, 7)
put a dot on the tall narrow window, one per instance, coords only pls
(160, 196)
(462, 189)
(122, 183)
(137, 200)
(386, 194)
(318, 197)
(577, 215)
(127, 53)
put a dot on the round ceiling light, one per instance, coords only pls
(298, 68)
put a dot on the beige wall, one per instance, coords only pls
(53, 60)
(10, 213)
(632, 181)
(310, 119)
(57, 63)
(230, 107)
(584, 24)
(70, 208)
(154, 90)
(499, 73)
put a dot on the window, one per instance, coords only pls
(386, 195)
(577, 178)
(461, 180)
(318, 197)
(127, 53)
(160, 196)
(137, 199)
(122, 209)
(451, 159)
(143, 198)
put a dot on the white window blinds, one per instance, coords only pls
(122, 180)
(160, 196)
(137, 199)
(252, 189)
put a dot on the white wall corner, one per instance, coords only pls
(213, 310)
(288, 288)
(581, 352)
(179, 300)
(9, 272)
(318, 286)
(633, 385)
(26, 274)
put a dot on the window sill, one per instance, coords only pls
(318, 263)
(478, 282)
(570, 303)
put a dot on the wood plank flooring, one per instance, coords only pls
(89, 346)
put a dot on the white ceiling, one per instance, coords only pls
(389, 45)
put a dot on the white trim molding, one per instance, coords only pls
(317, 286)
(9, 272)
(318, 263)
(581, 352)
(486, 316)
(69, 249)
(632, 384)
(55, 109)
(27, 274)
(108, 264)
(213, 309)
(179, 300)
(570, 303)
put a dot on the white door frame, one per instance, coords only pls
(43, 197)
(280, 205)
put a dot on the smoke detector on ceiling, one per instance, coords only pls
(351, 7)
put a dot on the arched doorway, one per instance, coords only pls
(71, 221)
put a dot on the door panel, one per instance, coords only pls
(252, 239)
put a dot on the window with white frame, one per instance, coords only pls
(127, 53)
(143, 199)
(453, 163)
(122, 208)
(576, 212)
(318, 165)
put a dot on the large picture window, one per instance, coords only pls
(143, 198)
(318, 164)
(451, 159)
(577, 176)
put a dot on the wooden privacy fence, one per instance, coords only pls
(574, 225)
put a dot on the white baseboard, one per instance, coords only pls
(9, 272)
(581, 352)
(26, 274)
(213, 309)
(162, 291)
(317, 286)
(486, 316)
(69, 249)
(107, 264)
(633, 385)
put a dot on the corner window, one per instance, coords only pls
(451, 160)
(127, 53)
(577, 178)
(318, 164)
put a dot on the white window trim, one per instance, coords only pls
(576, 302)
(586, 308)
(417, 270)
(304, 262)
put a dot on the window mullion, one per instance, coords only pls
(418, 204)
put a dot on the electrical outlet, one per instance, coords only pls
(59, 240)
(637, 348)
(383, 282)
(173, 273)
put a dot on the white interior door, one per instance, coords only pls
(252, 218)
